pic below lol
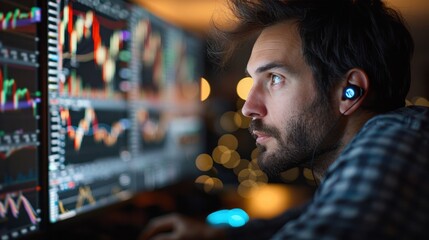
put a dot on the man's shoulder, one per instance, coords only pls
(403, 126)
(398, 139)
(412, 117)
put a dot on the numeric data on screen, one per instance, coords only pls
(20, 98)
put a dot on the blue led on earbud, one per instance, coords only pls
(350, 93)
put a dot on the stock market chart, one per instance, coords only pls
(89, 156)
(166, 108)
(19, 118)
(116, 105)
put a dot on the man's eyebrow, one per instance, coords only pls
(269, 66)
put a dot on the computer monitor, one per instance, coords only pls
(20, 94)
(124, 104)
(167, 67)
(187, 126)
(89, 125)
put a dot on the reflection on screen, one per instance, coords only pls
(19, 119)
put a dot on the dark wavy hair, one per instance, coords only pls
(337, 35)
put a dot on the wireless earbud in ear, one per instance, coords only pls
(352, 92)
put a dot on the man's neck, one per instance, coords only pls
(352, 125)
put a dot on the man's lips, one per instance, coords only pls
(261, 137)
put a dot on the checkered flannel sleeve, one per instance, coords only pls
(377, 189)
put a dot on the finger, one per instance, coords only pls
(159, 236)
(157, 226)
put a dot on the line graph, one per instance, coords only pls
(84, 195)
(20, 97)
(90, 195)
(12, 150)
(18, 166)
(15, 202)
(89, 126)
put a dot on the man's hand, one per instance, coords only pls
(179, 227)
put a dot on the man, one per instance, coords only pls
(330, 81)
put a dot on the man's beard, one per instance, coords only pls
(302, 138)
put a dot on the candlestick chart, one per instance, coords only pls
(149, 39)
(19, 100)
(20, 97)
(186, 55)
(93, 51)
(165, 109)
(18, 32)
(19, 83)
(123, 103)
(17, 18)
(89, 113)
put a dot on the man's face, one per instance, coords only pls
(289, 118)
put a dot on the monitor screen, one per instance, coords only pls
(166, 111)
(124, 104)
(89, 125)
(20, 212)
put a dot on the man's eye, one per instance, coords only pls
(276, 79)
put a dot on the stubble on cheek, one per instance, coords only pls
(272, 132)
(270, 153)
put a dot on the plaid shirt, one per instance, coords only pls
(378, 188)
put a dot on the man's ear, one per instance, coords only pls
(353, 91)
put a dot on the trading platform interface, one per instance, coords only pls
(89, 125)
(19, 119)
(166, 106)
(121, 114)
